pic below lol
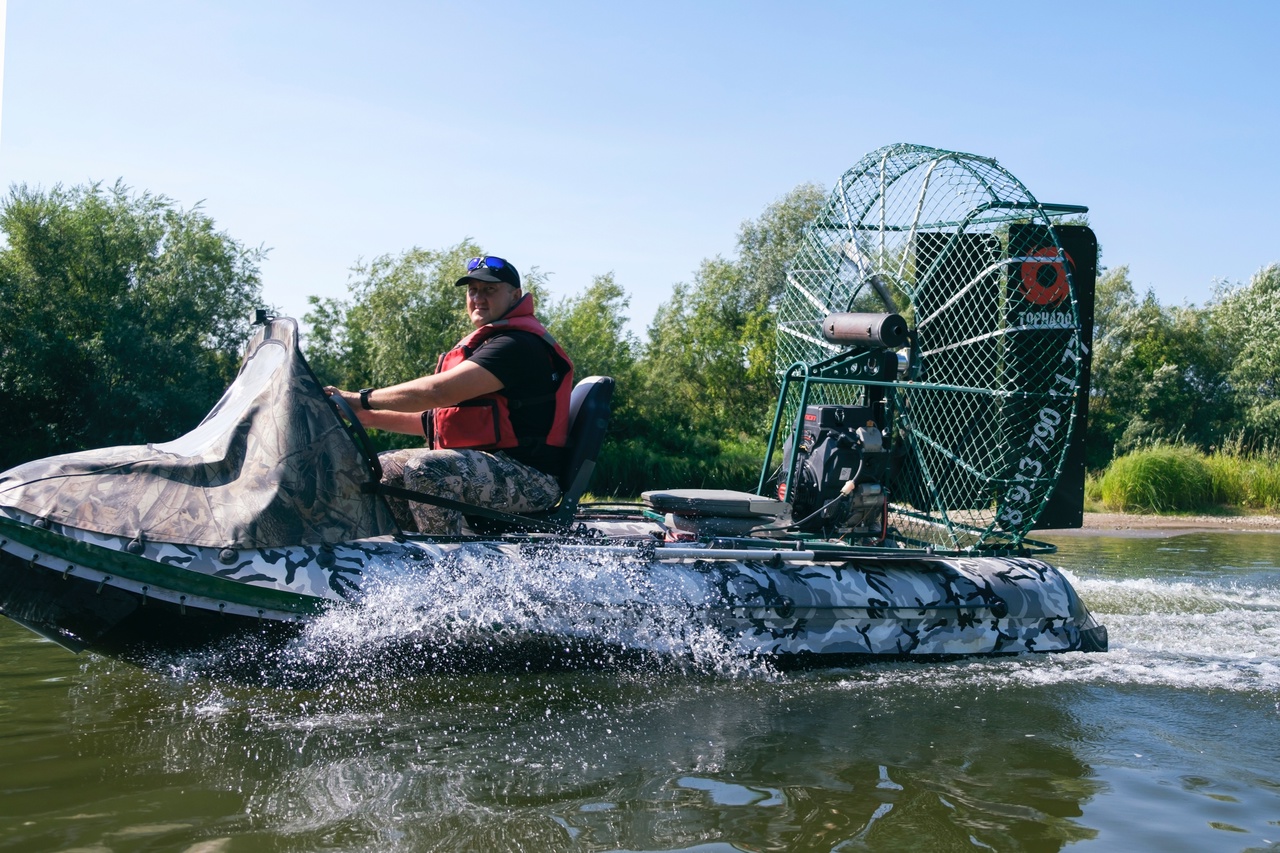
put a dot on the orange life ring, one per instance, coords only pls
(1045, 294)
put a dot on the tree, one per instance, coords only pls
(1247, 320)
(1159, 373)
(1114, 300)
(766, 245)
(592, 328)
(403, 311)
(124, 317)
(695, 362)
(704, 388)
(708, 362)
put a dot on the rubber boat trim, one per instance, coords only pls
(156, 577)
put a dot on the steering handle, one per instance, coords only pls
(356, 430)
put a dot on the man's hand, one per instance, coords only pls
(352, 399)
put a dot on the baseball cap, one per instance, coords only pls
(490, 268)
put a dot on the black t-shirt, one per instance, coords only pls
(527, 369)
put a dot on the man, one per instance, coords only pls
(495, 413)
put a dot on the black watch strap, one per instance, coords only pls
(364, 399)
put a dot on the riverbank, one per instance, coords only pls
(1134, 524)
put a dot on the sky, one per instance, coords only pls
(587, 138)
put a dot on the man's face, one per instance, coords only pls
(489, 300)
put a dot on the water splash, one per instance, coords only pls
(532, 612)
(547, 612)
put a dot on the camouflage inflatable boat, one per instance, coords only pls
(914, 447)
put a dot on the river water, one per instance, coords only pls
(1170, 741)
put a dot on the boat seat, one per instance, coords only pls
(589, 409)
(692, 513)
(722, 503)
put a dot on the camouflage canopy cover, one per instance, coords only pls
(271, 466)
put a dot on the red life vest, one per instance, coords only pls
(484, 422)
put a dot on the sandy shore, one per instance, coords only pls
(1124, 524)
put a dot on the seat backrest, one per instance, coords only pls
(589, 409)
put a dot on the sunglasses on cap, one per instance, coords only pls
(488, 262)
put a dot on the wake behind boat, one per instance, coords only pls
(933, 357)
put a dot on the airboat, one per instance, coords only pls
(933, 363)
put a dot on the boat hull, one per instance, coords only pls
(79, 613)
(90, 592)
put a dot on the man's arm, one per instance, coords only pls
(398, 408)
(406, 423)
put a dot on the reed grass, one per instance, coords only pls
(1093, 492)
(1249, 481)
(1161, 478)
(1176, 478)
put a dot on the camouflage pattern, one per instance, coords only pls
(270, 466)
(477, 477)
(912, 606)
(908, 606)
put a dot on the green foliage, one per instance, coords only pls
(1159, 478)
(403, 312)
(1159, 373)
(1246, 479)
(708, 362)
(695, 348)
(1171, 478)
(629, 466)
(592, 328)
(704, 390)
(1093, 491)
(124, 317)
(766, 245)
(1197, 375)
(1246, 320)
(1263, 480)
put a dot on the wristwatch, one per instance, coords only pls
(364, 399)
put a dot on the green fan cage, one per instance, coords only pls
(978, 407)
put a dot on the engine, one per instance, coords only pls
(841, 463)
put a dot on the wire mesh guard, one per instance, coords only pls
(980, 412)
